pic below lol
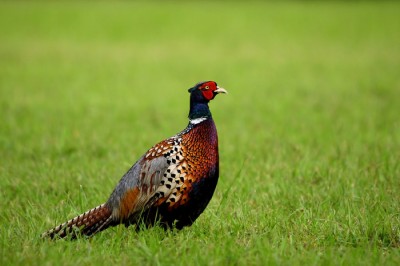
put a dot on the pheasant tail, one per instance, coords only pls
(88, 223)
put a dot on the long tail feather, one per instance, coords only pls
(88, 223)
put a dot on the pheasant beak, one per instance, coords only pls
(220, 90)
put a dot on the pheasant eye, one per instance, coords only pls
(206, 87)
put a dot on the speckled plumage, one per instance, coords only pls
(172, 183)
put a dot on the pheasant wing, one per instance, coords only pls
(153, 178)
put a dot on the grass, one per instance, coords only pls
(309, 134)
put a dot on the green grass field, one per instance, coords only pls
(309, 133)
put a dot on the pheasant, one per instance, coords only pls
(171, 184)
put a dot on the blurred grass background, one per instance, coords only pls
(309, 134)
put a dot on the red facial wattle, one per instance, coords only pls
(208, 90)
(208, 94)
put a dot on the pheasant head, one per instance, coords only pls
(200, 95)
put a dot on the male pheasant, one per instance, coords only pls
(171, 184)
